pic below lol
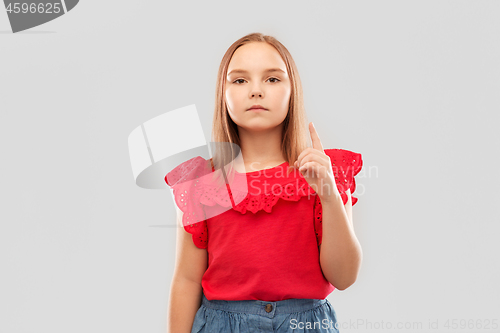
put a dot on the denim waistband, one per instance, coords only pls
(259, 307)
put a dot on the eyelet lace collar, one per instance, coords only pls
(262, 189)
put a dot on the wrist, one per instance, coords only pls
(331, 198)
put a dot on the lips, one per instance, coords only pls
(257, 107)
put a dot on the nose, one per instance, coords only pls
(256, 91)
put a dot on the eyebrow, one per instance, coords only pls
(266, 71)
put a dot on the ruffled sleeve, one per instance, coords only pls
(183, 180)
(345, 165)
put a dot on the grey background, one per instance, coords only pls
(412, 85)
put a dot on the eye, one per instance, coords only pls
(271, 78)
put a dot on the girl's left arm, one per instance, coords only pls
(340, 252)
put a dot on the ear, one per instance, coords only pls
(348, 206)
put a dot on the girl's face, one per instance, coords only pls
(257, 75)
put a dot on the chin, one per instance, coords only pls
(259, 127)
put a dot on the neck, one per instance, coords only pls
(261, 148)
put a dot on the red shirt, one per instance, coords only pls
(262, 230)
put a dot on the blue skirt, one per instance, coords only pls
(251, 316)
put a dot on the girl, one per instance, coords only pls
(262, 253)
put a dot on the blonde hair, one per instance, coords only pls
(294, 137)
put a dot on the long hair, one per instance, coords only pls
(224, 130)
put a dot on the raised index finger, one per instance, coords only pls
(316, 142)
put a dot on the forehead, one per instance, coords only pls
(256, 57)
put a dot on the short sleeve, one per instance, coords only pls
(345, 165)
(183, 181)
